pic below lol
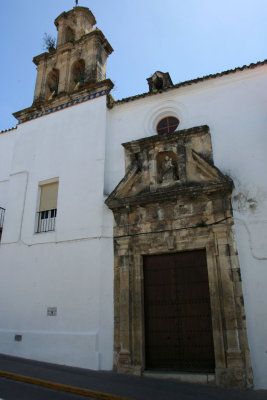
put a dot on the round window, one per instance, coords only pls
(167, 125)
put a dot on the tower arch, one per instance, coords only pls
(52, 84)
(77, 78)
(69, 34)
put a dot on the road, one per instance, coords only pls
(12, 390)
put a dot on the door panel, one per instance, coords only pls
(178, 331)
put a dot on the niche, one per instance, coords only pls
(167, 167)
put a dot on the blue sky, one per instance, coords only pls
(187, 38)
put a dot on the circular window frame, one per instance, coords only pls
(171, 127)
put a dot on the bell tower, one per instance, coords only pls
(77, 66)
(74, 24)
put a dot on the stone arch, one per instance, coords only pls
(77, 74)
(52, 83)
(163, 110)
(69, 34)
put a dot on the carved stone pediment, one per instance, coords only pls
(167, 166)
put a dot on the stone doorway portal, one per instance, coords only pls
(186, 209)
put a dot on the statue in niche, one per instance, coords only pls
(168, 170)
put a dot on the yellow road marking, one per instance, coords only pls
(62, 387)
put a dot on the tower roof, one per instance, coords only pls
(75, 11)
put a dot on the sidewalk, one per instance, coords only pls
(117, 385)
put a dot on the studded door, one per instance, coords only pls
(178, 330)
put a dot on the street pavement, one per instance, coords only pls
(12, 390)
(131, 387)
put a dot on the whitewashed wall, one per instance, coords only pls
(235, 109)
(7, 141)
(70, 268)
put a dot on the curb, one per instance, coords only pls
(61, 387)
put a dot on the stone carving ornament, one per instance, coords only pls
(168, 170)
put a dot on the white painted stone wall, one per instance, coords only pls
(235, 108)
(72, 268)
(7, 141)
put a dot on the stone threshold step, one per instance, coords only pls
(204, 378)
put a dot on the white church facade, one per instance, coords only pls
(133, 232)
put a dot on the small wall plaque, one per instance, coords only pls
(51, 311)
(18, 338)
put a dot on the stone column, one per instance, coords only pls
(39, 92)
(64, 68)
(122, 311)
(137, 314)
(235, 372)
(215, 302)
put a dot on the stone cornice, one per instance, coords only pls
(177, 136)
(63, 100)
(96, 33)
(188, 190)
(43, 56)
(65, 14)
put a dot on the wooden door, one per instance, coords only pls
(178, 330)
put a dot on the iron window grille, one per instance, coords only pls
(46, 220)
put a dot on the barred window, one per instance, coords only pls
(46, 216)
